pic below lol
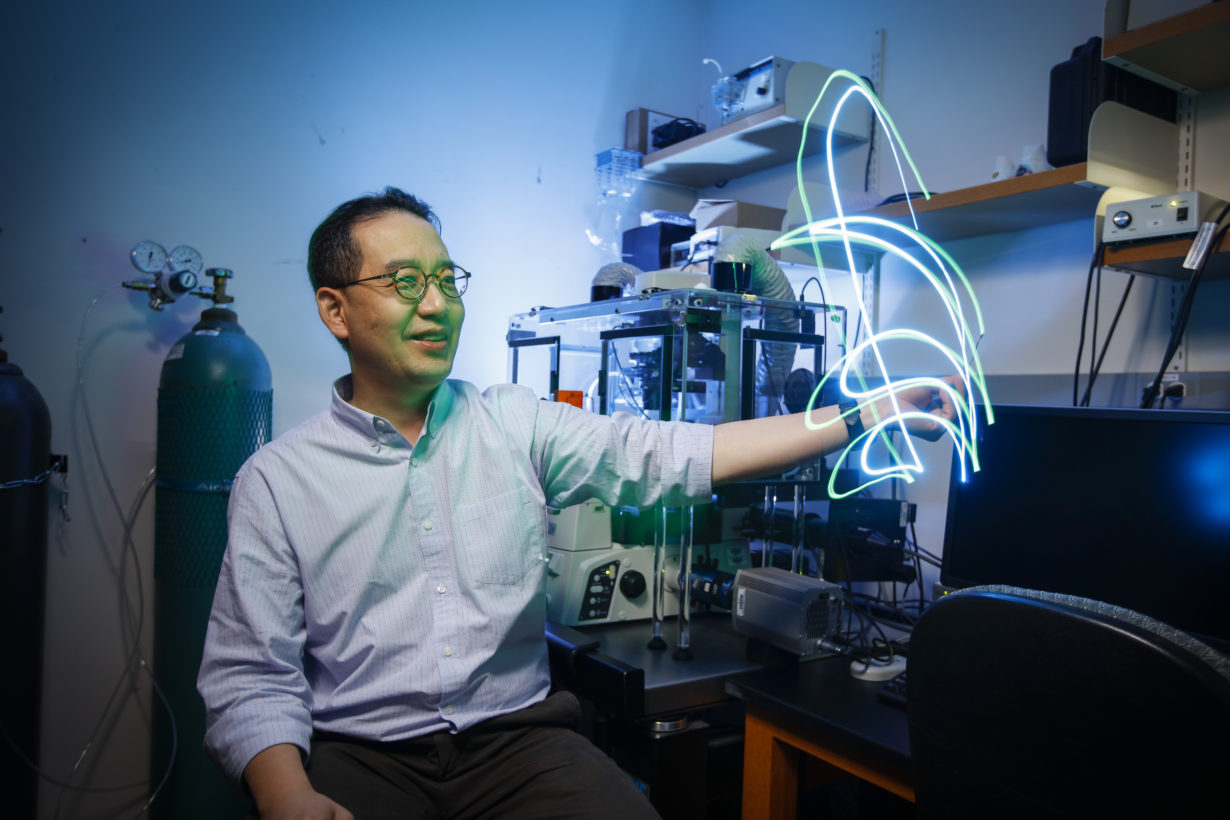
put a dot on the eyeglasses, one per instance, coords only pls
(411, 283)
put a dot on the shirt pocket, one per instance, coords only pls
(498, 540)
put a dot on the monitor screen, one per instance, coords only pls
(1131, 507)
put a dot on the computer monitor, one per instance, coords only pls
(1131, 507)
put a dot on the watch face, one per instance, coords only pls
(186, 258)
(149, 257)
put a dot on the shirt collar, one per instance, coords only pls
(439, 409)
(374, 427)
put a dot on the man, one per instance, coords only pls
(380, 609)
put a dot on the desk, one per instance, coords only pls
(689, 769)
(663, 686)
(816, 708)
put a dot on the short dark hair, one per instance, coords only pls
(334, 258)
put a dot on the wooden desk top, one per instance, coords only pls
(820, 699)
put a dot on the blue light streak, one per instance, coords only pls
(938, 268)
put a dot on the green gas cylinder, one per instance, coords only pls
(215, 408)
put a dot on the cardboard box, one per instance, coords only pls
(710, 212)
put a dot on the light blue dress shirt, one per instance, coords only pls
(384, 590)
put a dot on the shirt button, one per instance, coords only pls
(414, 462)
(449, 708)
(440, 589)
(427, 525)
(448, 651)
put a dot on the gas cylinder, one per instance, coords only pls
(215, 408)
(25, 456)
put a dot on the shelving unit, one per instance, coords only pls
(1187, 52)
(1165, 258)
(1128, 150)
(761, 140)
(1046, 198)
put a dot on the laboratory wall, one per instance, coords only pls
(967, 82)
(235, 127)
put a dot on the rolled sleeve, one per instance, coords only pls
(251, 678)
(620, 459)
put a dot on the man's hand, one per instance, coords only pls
(282, 790)
(922, 398)
(758, 447)
(310, 805)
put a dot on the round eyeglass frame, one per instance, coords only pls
(461, 281)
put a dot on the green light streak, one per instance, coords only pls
(937, 267)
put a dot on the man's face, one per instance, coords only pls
(396, 342)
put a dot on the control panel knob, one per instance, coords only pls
(632, 584)
(1121, 219)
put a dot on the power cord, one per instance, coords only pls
(135, 623)
(1154, 388)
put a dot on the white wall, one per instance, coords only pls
(235, 127)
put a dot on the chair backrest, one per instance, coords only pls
(1034, 704)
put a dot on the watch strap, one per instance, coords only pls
(849, 409)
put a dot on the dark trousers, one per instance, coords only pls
(528, 764)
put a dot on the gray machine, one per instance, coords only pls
(797, 613)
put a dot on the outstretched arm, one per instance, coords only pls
(759, 447)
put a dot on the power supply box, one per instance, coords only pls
(797, 613)
(1158, 217)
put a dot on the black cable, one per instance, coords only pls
(927, 555)
(922, 597)
(903, 619)
(871, 141)
(819, 284)
(824, 348)
(1154, 388)
(1097, 368)
(1095, 263)
(870, 621)
(1097, 308)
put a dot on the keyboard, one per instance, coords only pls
(893, 690)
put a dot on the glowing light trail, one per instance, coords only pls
(937, 268)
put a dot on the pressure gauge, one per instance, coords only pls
(149, 257)
(186, 258)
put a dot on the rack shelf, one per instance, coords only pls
(1181, 52)
(758, 141)
(1166, 258)
(1046, 198)
(762, 140)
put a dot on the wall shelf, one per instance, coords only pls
(1166, 259)
(1131, 155)
(758, 141)
(1046, 198)
(1186, 52)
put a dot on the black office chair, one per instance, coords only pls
(1034, 704)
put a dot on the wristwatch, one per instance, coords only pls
(849, 409)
